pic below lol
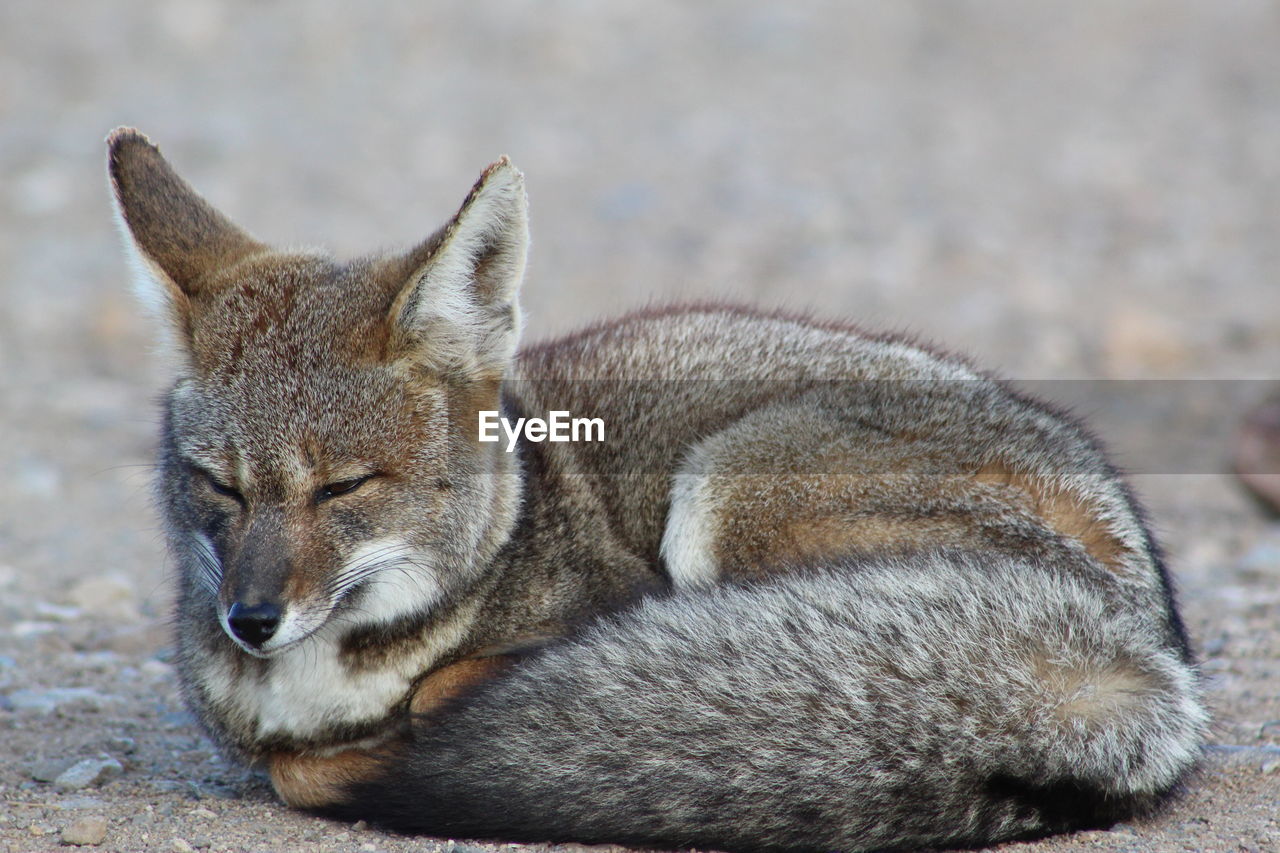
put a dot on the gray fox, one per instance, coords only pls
(812, 589)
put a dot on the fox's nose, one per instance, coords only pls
(254, 623)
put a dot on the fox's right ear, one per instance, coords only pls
(176, 237)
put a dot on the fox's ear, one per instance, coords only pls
(176, 237)
(458, 312)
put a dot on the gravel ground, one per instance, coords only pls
(1068, 191)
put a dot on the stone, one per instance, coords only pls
(85, 832)
(88, 773)
(122, 744)
(48, 769)
(110, 597)
(52, 699)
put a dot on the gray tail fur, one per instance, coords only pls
(925, 701)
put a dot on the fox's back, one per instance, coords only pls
(826, 403)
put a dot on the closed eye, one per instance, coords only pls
(219, 487)
(341, 487)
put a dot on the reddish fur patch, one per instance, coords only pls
(1063, 511)
(311, 781)
(806, 540)
(446, 683)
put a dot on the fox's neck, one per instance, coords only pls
(542, 584)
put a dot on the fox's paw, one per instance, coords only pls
(317, 782)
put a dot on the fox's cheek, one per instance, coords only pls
(350, 524)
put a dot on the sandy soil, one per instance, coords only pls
(1068, 191)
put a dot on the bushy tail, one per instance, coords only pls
(928, 701)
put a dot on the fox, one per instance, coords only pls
(812, 588)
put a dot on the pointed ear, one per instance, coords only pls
(176, 237)
(457, 312)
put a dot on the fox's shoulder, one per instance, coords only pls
(726, 340)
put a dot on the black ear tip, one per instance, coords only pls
(124, 137)
(128, 148)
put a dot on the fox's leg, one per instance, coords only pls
(796, 486)
(308, 780)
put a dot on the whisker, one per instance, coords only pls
(209, 568)
(383, 559)
(397, 557)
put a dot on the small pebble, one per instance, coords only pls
(48, 701)
(90, 772)
(87, 831)
(181, 845)
(177, 720)
(126, 745)
(110, 597)
(68, 804)
(49, 770)
(156, 669)
(456, 847)
(56, 612)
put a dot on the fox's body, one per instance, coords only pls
(821, 589)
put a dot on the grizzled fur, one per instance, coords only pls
(935, 699)
(818, 589)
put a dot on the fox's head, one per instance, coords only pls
(319, 462)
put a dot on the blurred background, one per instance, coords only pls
(1059, 188)
(1084, 190)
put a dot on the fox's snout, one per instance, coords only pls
(253, 624)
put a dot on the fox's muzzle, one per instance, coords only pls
(254, 581)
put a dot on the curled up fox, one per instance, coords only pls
(810, 589)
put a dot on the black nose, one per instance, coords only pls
(254, 623)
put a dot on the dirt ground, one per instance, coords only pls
(1083, 194)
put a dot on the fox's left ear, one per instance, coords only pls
(458, 311)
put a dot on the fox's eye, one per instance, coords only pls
(342, 487)
(222, 488)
